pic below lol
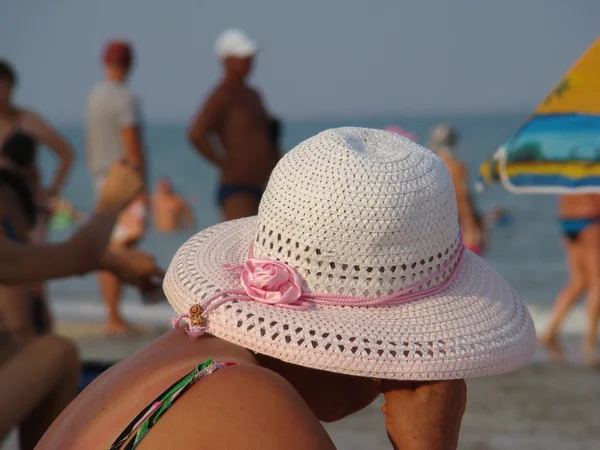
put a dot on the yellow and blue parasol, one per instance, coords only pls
(557, 149)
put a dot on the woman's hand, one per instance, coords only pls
(424, 415)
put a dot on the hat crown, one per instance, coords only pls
(359, 212)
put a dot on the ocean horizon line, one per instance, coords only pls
(366, 116)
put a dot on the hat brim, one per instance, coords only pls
(476, 327)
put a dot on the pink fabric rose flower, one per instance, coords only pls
(270, 281)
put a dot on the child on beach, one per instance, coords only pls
(353, 281)
(171, 212)
(63, 214)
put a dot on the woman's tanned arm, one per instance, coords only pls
(85, 251)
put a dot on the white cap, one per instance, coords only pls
(235, 43)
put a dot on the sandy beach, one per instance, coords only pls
(544, 406)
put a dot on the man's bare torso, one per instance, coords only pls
(244, 135)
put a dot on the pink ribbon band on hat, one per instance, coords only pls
(273, 282)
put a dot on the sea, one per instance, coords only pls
(527, 253)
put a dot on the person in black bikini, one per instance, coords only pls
(235, 113)
(580, 226)
(17, 123)
(20, 132)
(39, 376)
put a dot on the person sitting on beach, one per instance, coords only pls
(87, 249)
(19, 153)
(38, 381)
(170, 210)
(20, 314)
(580, 226)
(39, 376)
(352, 281)
(235, 113)
(23, 308)
(443, 140)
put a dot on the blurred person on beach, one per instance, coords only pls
(17, 123)
(443, 140)
(18, 153)
(169, 209)
(113, 132)
(236, 115)
(402, 132)
(37, 382)
(35, 306)
(64, 214)
(39, 376)
(283, 322)
(498, 217)
(275, 127)
(579, 219)
(87, 250)
(21, 130)
(18, 313)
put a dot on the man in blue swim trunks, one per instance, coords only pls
(234, 112)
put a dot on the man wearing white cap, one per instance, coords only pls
(234, 112)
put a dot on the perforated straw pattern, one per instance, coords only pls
(360, 212)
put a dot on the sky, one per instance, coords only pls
(319, 58)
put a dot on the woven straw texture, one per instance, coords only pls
(362, 213)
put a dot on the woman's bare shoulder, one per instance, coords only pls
(29, 120)
(24, 114)
(244, 406)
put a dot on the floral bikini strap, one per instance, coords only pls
(147, 418)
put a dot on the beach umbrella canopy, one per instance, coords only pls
(557, 149)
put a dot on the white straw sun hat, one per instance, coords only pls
(354, 264)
